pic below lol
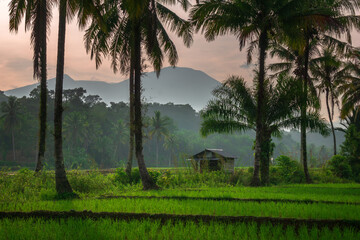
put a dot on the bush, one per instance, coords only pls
(340, 167)
(325, 175)
(92, 182)
(289, 171)
(24, 185)
(121, 177)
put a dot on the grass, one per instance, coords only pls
(25, 192)
(320, 192)
(107, 229)
(195, 207)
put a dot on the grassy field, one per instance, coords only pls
(297, 211)
(107, 229)
(195, 207)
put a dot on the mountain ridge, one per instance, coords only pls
(178, 85)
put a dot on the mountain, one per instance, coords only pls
(319, 140)
(177, 85)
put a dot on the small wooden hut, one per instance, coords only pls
(213, 160)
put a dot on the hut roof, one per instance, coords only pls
(220, 152)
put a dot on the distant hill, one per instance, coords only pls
(177, 85)
(319, 140)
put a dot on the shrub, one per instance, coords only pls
(325, 175)
(289, 171)
(121, 177)
(340, 167)
(240, 177)
(154, 174)
(92, 182)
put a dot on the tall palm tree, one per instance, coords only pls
(255, 22)
(37, 14)
(75, 129)
(329, 69)
(159, 128)
(296, 59)
(338, 24)
(11, 113)
(234, 109)
(350, 88)
(135, 28)
(171, 143)
(120, 133)
(67, 10)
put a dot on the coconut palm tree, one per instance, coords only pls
(11, 113)
(234, 109)
(37, 14)
(350, 88)
(329, 69)
(256, 22)
(135, 28)
(159, 128)
(171, 143)
(120, 131)
(338, 23)
(75, 129)
(67, 10)
(296, 59)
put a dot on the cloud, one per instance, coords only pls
(248, 66)
(18, 64)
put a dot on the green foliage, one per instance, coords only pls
(149, 229)
(122, 178)
(24, 185)
(325, 175)
(90, 182)
(351, 147)
(102, 143)
(340, 166)
(288, 170)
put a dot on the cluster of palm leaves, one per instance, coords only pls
(135, 33)
(130, 32)
(297, 33)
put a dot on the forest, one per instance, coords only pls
(85, 183)
(95, 135)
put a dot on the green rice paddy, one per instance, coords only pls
(336, 202)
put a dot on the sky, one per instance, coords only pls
(219, 59)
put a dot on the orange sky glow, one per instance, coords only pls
(220, 58)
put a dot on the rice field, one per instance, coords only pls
(195, 207)
(108, 229)
(310, 204)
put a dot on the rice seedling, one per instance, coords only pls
(107, 229)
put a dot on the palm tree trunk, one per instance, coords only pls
(265, 163)
(330, 119)
(157, 152)
(131, 119)
(43, 94)
(13, 143)
(259, 155)
(147, 181)
(305, 78)
(62, 183)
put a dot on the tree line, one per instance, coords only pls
(130, 32)
(96, 134)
